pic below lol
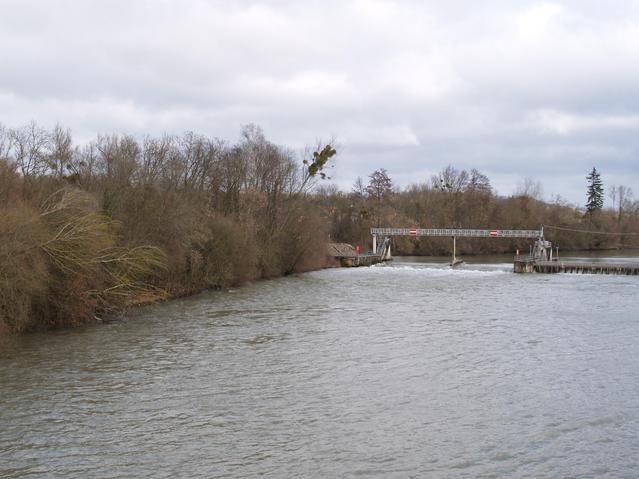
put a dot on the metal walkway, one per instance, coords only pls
(457, 232)
(454, 233)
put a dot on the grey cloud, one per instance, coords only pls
(516, 89)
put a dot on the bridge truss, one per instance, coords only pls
(457, 232)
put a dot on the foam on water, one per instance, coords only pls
(428, 269)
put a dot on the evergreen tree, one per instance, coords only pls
(595, 192)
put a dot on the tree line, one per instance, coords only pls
(457, 198)
(87, 230)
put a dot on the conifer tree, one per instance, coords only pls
(595, 192)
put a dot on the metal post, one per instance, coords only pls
(374, 244)
(454, 249)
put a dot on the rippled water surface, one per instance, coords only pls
(406, 370)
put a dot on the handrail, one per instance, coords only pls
(461, 232)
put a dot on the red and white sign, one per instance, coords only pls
(494, 232)
(413, 232)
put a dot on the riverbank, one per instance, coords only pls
(143, 298)
(87, 232)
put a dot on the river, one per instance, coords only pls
(405, 370)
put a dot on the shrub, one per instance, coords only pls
(62, 265)
(23, 270)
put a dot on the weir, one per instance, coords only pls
(556, 266)
(540, 259)
(454, 233)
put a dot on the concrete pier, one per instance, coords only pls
(586, 268)
(527, 265)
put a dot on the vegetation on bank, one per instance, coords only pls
(87, 230)
(465, 199)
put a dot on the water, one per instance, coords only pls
(407, 370)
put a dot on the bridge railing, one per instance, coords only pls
(459, 232)
(524, 258)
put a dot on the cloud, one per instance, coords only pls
(516, 89)
(375, 136)
(564, 123)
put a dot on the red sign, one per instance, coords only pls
(493, 233)
(413, 232)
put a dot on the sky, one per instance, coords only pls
(544, 90)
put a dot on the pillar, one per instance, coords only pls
(454, 250)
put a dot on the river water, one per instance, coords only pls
(405, 370)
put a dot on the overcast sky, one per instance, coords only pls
(514, 88)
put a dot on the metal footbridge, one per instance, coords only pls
(540, 259)
(454, 233)
(457, 232)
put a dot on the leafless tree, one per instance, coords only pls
(612, 193)
(530, 188)
(451, 180)
(624, 200)
(380, 186)
(5, 143)
(359, 189)
(61, 151)
(118, 158)
(478, 182)
(30, 145)
(154, 159)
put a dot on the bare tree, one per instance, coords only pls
(612, 192)
(5, 143)
(233, 176)
(380, 185)
(83, 166)
(200, 156)
(530, 188)
(359, 189)
(61, 151)
(451, 180)
(118, 158)
(30, 144)
(478, 182)
(624, 197)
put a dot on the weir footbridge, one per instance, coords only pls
(540, 259)
(542, 250)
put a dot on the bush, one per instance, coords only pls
(24, 277)
(62, 265)
(222, 253)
